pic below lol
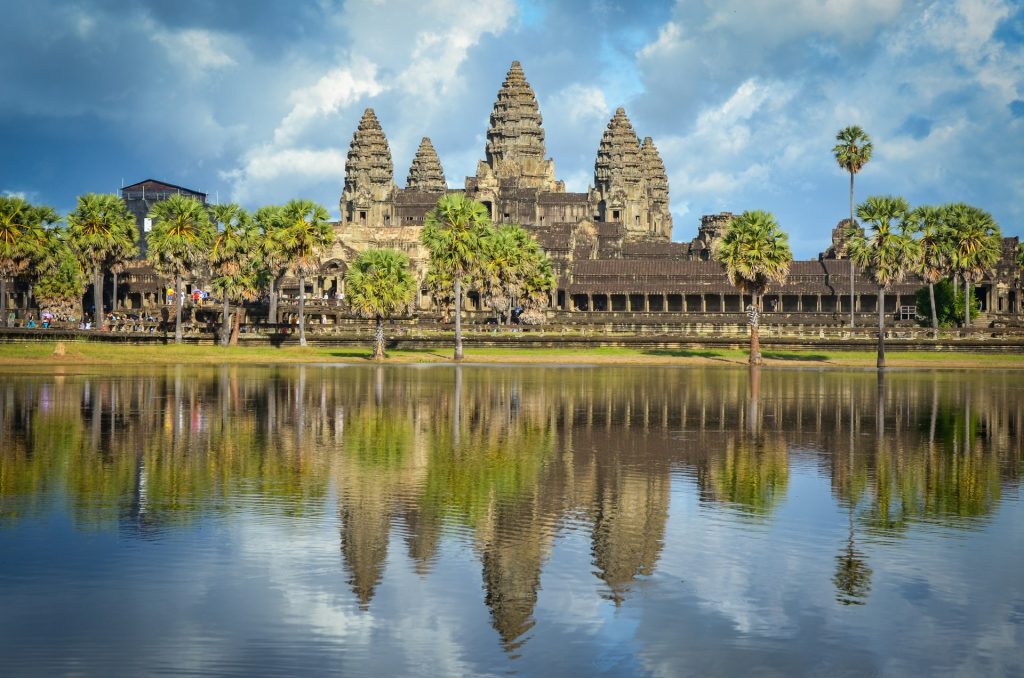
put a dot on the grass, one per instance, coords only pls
(87, 353)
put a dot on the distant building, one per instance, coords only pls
(141, 197)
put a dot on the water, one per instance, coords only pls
(510, 521)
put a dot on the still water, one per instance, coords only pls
(511, 521)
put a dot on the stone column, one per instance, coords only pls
(703, 303)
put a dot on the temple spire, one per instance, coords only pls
(425, 173)
(618, 154)
(516, 133)
(369, 156)
(653, 170)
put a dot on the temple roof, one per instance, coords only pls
(654, 172)
(369, 156)
(425, 173)
(618, 154)
(516, 132)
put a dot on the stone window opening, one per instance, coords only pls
(615, 215)
(362, 215)
(387, 219)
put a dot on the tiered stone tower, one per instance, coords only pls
(620, 185)
(657, 189)
(369, 175)
(425, 173)
(515, 141)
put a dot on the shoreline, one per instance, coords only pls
(87, 354)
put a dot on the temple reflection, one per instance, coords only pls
(505, 457)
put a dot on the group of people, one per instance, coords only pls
(199, 297)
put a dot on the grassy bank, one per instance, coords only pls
(86, 353)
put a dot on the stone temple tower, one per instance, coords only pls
(425, 173)
(620, 188)
(515, 140)
(659, 214)
(369, 190)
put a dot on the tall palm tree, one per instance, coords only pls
(233, 245)
(975, 246)
(886, 249)
(930, 223)
(451, 233)
(379, 285)
(23, 240)
(304, 237)
(270, 222)
(179, 242)
(755, 253)
(852, 152)
(101, 231)
(61, 282)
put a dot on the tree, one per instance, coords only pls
(510, 262)
(755, 253)
(379, 285)
(233, 247)
(451, 233)
(61, 282)
(441, 289)
(179, 242)
(23, 240)
(886, 249)
(975, 246)
(101, 232)
(930, 223)
(304, 235)
(270, 222)
(852, 152)
(949, 303)
(537, 285)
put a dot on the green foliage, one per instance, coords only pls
(379, 283)
(949, 307)
(754, 252)
(886, 249)
(975, 241)
(512, 268)
(302, 234)
(181, 237)
(452, 232)
(23, 238)
(61, 281)
(234, 257)
(929, 223)
(853, 149)
(102, 233)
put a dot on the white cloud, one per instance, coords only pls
(198, 51)
(270, 174)
(579, 103)
(337, 89)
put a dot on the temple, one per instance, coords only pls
(611, 246)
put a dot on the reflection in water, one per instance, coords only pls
(506, 458)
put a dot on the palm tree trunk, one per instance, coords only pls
(935, 314)
(99, 320)
(225, 328)
(272, 311)
(852, 270)
(881, 328)
(113, 293)
(458, 318)
(378, 340)
(302, 310)
(755, 332)
(237, 328)
(177, 308)
(967, 302)
(3, 302)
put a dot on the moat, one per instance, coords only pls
(441, 520)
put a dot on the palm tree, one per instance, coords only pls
(441, 289)
(755, 253)
(852, 152)
(233, 246)
(380, 284)
(179, 242)
(270, 221)
(886, 250)
(451, 233)
(101, 231)
(304, 236)
(61, 281)
(930, 223)
(975, 246)
(245, 285)
(23, 240)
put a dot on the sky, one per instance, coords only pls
(256, 101)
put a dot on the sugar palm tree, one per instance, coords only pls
(975, 246)
(886, 249)
(538, 281)
(930, 223)
(441, 289)
(244, 285)
(451, 233)
(61, 281)
(23, 240)
(101, 232)
(379, 285)
(270, 222)
(755, 253)
(852, 152)
(304, 236)
(233, 246)
(179, 242)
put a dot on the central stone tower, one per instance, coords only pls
(515, 142)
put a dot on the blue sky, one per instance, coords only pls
(256, 101)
